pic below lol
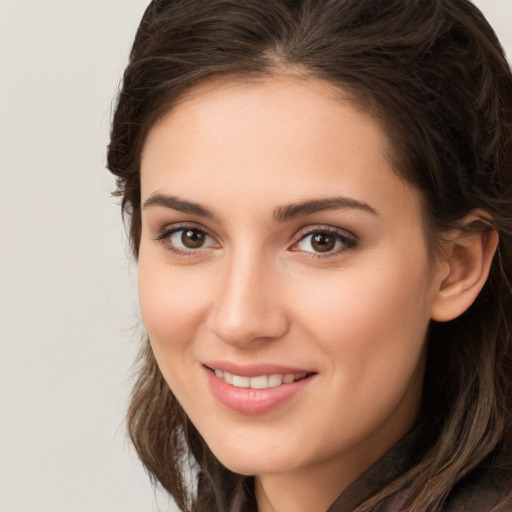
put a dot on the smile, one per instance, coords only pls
(256, 389)
(260, 381)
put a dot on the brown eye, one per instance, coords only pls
(187, 239)
(192, 238)
(323, 242)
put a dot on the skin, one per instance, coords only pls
(258, 291)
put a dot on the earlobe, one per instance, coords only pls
(469, 257)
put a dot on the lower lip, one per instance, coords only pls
(254, 401)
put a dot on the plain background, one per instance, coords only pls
(69, 322)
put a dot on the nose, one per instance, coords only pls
(247, 306)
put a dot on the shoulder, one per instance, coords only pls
(483, 490)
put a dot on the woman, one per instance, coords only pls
(319, 195)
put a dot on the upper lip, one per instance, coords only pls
(255, 369)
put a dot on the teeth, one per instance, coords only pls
(259, 382)
(274, 380)
(241, 382)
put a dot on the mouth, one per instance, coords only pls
(260, 381)
(258, 389)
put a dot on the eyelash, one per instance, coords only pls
(348, 242)
(164, 237)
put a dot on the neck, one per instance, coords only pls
(313, 488)
(310, 489)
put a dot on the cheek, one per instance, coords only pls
(172, 303)
(368, 317)
(372, 327)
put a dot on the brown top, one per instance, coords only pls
(479, 492)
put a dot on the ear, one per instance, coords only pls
(464, 270)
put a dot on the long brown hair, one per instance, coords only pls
(434, 74)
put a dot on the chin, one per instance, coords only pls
(243, 465)
(252, 458)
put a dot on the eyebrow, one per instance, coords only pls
(292, 211)
(181, 205)
(281, 214)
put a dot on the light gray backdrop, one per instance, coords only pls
(69, 323)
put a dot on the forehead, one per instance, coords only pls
(282, 105)
(269, 140)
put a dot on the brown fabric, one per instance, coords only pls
(479, 492)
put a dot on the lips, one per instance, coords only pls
(255, 389)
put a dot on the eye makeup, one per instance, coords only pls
(189, 239)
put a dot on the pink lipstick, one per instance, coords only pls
(255, 389)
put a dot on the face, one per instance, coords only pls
(283, 276)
